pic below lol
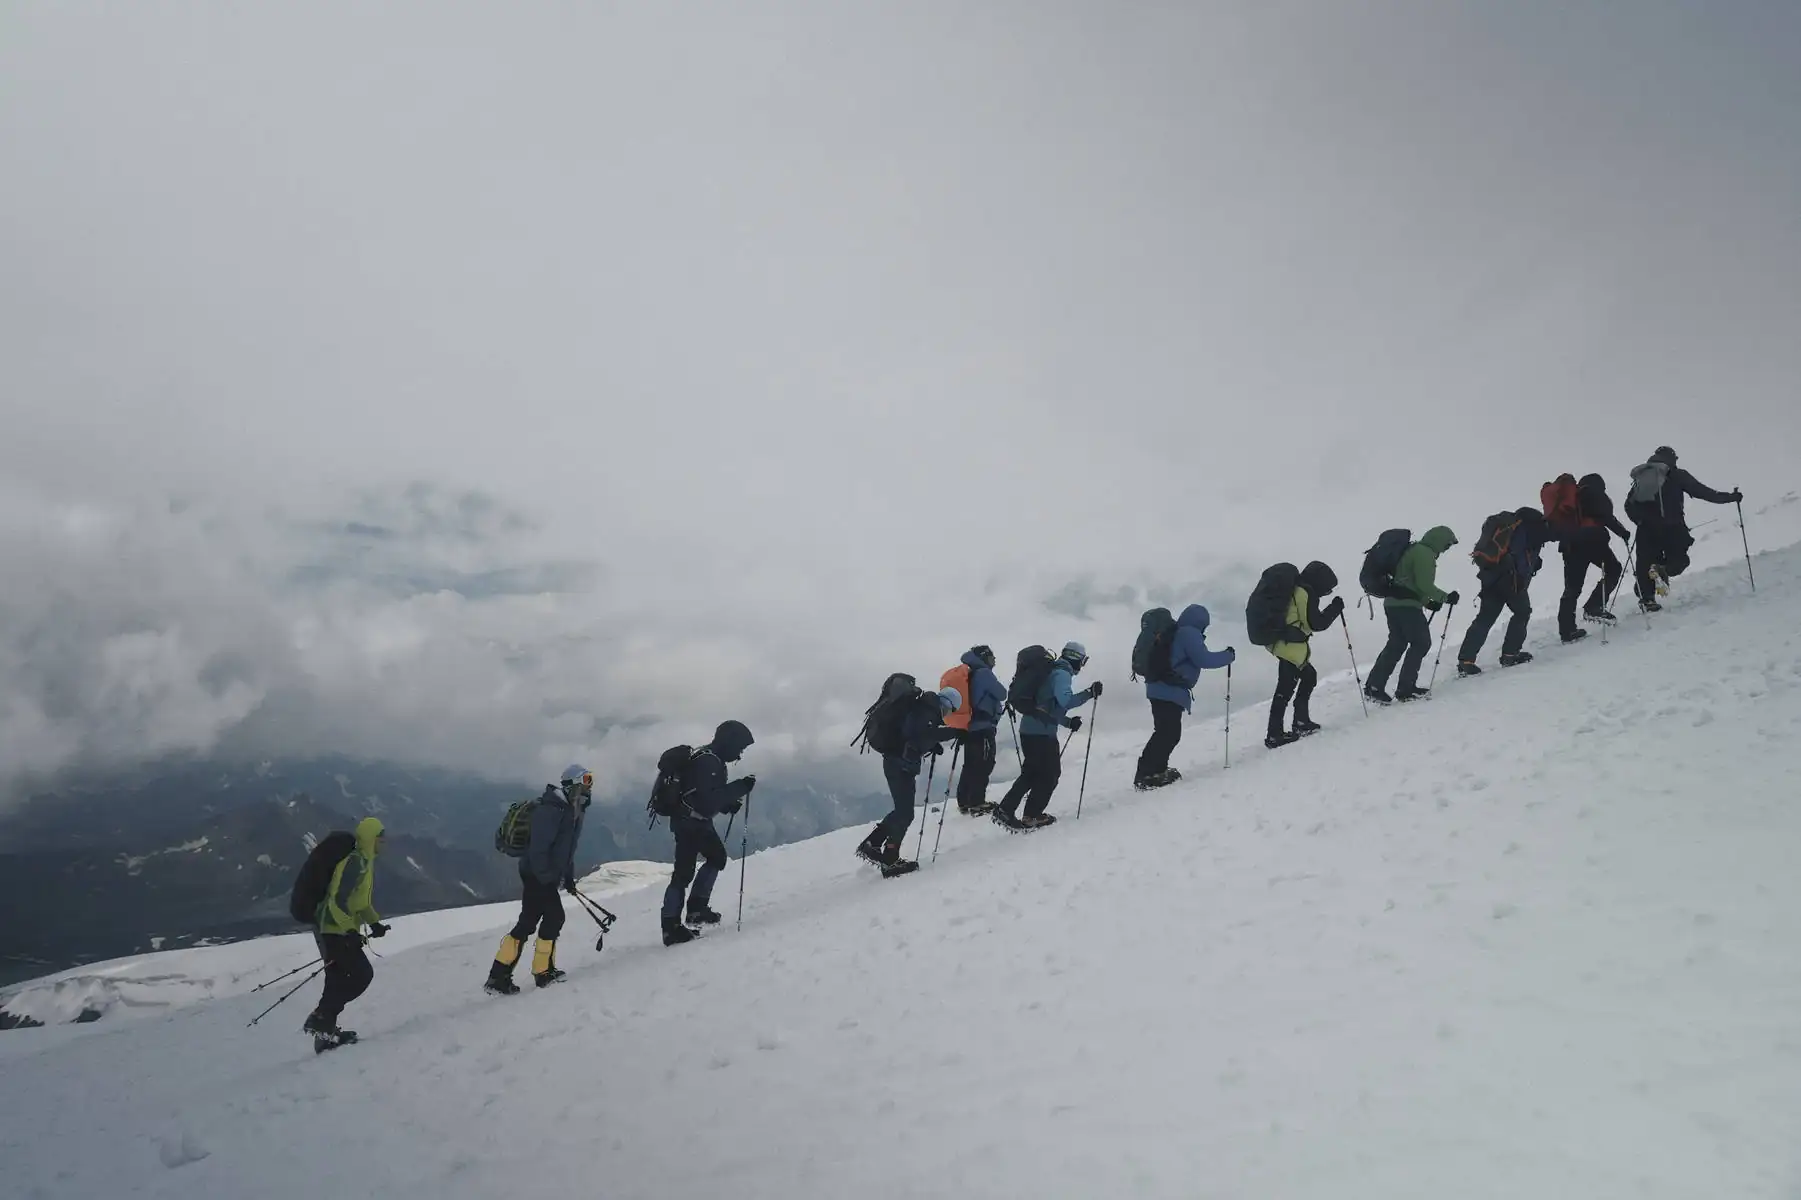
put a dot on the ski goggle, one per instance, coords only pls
(587, 779)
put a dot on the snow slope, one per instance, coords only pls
(1539, 937)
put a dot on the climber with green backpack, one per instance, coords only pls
(542, 834)
(1411, 590)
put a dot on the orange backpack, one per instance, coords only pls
(957, 677)
(1561, 503)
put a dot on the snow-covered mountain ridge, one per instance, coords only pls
(1539, 936)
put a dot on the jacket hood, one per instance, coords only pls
(731, 740)
(1663, 454)
(1195, 616)
(1438, 539)
(1318, 578)
(1592, 483)
(974, 661)
(367, 831)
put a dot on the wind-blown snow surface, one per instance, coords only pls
(1538, 937)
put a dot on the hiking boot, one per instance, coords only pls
(870, 851)
(981, 809)
(1006, 820)
(675, 933)
(1305, 728)
(702, 915)
(1515, 659)
(1377, 694)
(1413, 693)
(545, 978)
(1650, 606)
(320, 1026)
(1574, 635)
(1599, 616)
(1468, 668)
(501, 985)
(1038, 822)
(1279, 739)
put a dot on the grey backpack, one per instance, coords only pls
(1647, 483)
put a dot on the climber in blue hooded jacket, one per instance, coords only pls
(1173, 695)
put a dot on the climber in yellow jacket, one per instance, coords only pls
(349, 905)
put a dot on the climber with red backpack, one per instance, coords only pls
(1582, 513)
(1506, 557)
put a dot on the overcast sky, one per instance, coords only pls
(494, 385)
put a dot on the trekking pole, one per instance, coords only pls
(743, 853)
(1228, 716)
(926, 816)
(286, 994)
(1444, 635)
(601, 917)
(297, 970)
(1014, 725)
(1740, 505)
(1086, 749)
(945, 807)
(1355, 674)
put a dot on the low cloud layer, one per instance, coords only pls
(455, 385)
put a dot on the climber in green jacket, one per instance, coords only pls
(349, 905)
(1409, 629)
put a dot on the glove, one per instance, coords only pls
(1094, 690)
(935, 749)
(1075, 723)
(745, 785)
(732, 806)
(378, 930)
(1231, 654)
(1738, 497)
(1434, 605)
(569, 885)
(1334, 608)
(1452, 598)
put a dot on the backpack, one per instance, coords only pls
(1156, 640)
(1647, 483)
(1266, 613)
(1030, 671)
(315, 875)
(666, 793)
(1381, 561)
(1497, 538)
(883, 720)
(514, 833)
(1562, 501)
(958, 677)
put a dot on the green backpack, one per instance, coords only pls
(515, 832)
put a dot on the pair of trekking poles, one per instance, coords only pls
(1018, 754)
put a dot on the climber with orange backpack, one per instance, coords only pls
(1583, 513)
(976, 723)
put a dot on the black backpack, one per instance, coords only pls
(883, 721)
(1156, 639)
(315, 875)
(1496, 541)
(666, 793)
(1380, 562)
(1030, 671)
(1266, 613)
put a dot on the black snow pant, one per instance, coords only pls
(1496, 596)
(903, 781)
(1038, 775)
(347, 971)
(1166, 735)
(695, 841)
(1294, 683)
(540, 907)
(1664, 544)
(1591, 550)
(978, 766)
(1409, 641)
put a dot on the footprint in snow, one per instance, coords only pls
(178, 1150)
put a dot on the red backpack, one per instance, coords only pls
(1562, 504)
